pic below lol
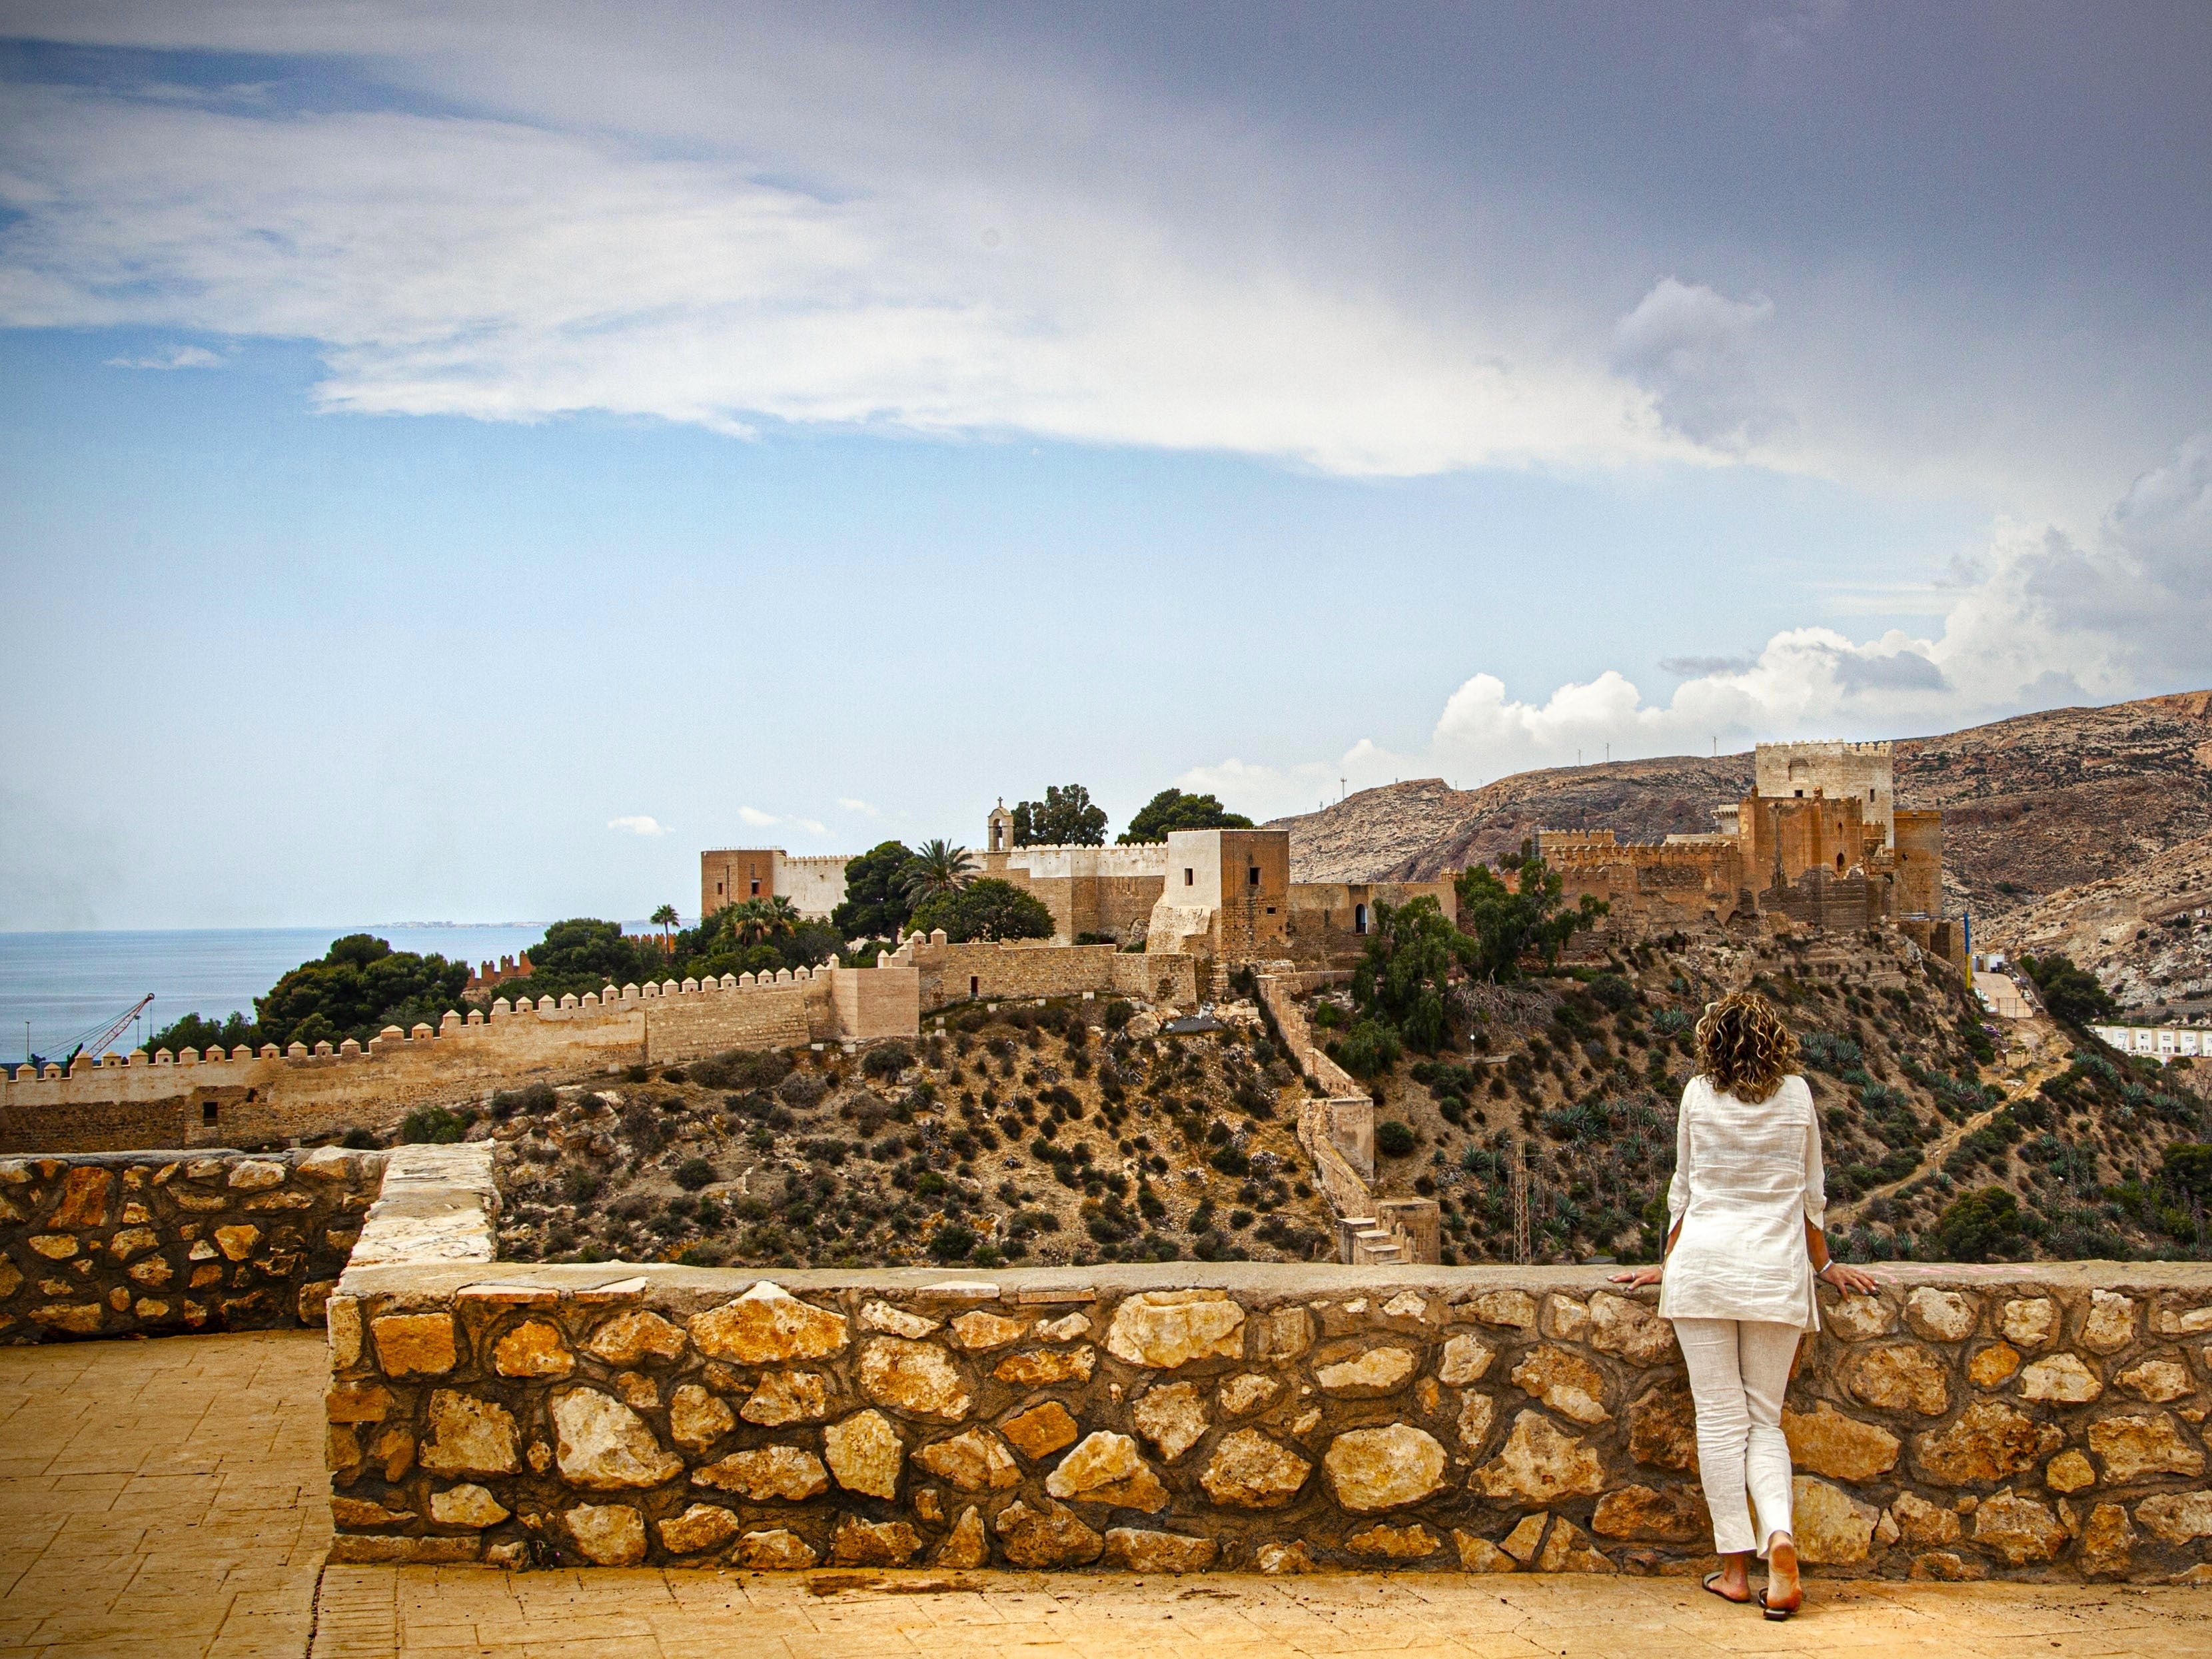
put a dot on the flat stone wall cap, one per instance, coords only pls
(620, 1289)
(511, 1296)
(982, 1292)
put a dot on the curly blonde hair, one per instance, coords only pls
(1743, 1048)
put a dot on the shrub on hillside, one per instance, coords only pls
(740, 1068)
(1978, 1225)
(693, 1173)
(1368, 1049)
(432, 1125)
(886, 1061)
(1394, 1138)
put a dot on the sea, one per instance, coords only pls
(57, 989)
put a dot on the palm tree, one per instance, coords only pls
(665, 918)
(757, 920)
(938, 867)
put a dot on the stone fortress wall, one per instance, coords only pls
(2042, 1421)
(137, 1244)
(1818, 845)
(193, 1099)
(1014, 969)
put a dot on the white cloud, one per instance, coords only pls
(850, 805)
(638, 825)
(182, 357)
(508, 271)
(753, 817)
(2044, 619)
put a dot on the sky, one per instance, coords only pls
(463, 460)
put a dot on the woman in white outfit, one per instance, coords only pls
(1744, 1245)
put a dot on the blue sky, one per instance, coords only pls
(461, 461)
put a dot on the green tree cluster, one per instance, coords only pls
(1065, 817)
(876, 903)
(1508, 924)
(358, 987)
(2070, 992)
(1400, 985)
(986, 909)
(193, 1031)
(1171, 809)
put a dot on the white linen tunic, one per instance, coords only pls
(1747, 1178)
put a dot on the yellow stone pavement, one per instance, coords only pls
(167, 1497)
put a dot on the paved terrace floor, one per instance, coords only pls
(167, 1497)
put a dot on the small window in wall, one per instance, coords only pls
(1869, 794)
(1839, 864)
(1252, 876)
(1801, 794)
(718, 889)
(207, 1111)
(1190, 877)
(1359, 918)
(974, 985)
(756, 890)
(1271, 909)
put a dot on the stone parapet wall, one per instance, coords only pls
(136, 1244)
(190, 1099)
(2041, 1423)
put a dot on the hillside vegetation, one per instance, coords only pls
(1936, 1146)
(1028, 1136)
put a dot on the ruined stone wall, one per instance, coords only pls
(1005, 971)
(146, 1243)
(1648, 888)
(2032, 1422)
(191, 1099)
(1323, 916)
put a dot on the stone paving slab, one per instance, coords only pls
(167, 1499)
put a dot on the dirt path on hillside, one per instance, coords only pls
(1932, 1156)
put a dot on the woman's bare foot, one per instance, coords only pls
(1786, 1593)
(1733, 1581)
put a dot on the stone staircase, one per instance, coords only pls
(1363, 1241)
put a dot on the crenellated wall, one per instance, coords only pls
(191, 1099)
(120, 1244)
(2030, 1422)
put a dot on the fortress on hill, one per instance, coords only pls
(1819, 845)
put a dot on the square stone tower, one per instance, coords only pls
(1840, 771)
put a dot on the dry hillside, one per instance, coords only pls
(2033, 805)
(2148, 930)
(1025, 1136)
(1582, 1075)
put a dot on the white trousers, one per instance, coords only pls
(1739, 1371)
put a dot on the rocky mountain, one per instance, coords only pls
(2147, 931)
(2034, 808)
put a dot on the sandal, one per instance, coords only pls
(1777, 1614)
(1713, 1578)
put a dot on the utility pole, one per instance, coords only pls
(1519, 1184)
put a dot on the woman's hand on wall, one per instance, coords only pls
(1639, 1276)
(1850, 1279)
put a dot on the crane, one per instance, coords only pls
(96, 1041)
